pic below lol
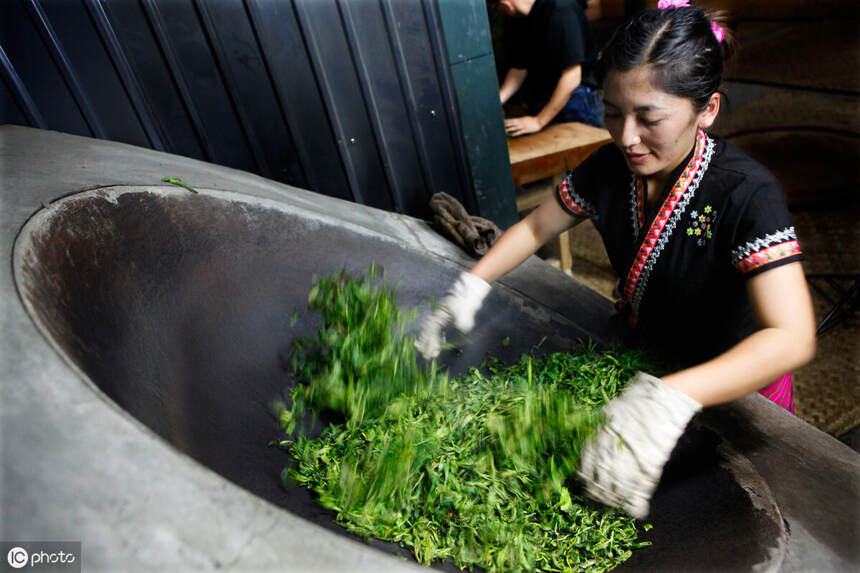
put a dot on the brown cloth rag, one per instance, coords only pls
(475, 234)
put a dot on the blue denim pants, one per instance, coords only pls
(584, 106)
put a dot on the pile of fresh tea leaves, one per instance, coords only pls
(473, 469)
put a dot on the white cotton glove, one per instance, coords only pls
(457, 307)
(622, 464)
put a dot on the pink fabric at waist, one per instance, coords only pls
(781, 392)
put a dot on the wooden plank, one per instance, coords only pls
(557, 137)
(532, 199)
(558, 148)
(565, 262)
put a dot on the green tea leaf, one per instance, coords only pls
(474, 469)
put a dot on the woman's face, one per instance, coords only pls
(655, 130)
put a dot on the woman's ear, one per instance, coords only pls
(709, 114)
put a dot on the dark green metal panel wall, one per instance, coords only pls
(357, 99)
(473, 71)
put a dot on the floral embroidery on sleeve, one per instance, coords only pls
(700, 225)
(764, 250)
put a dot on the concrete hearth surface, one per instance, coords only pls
(82, 461)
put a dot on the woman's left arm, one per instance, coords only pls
(622, 464)
(785, 340)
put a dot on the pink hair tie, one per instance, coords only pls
(719, 33)
(666, 4)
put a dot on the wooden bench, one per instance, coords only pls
(551, 153)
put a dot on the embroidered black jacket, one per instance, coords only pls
(684, 265)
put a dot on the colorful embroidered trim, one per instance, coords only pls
(571, 199)
(742, 252)
(768, 255)
(781, 392)
(673, 222)
(637, 203)
(665, 222)
(700, 225)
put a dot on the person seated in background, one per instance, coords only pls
(552, 55)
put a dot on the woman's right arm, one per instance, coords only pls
(523, 239)
(463, 300)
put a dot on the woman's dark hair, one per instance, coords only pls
(680, 47)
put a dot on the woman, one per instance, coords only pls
(711, 279)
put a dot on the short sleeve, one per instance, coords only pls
(567, 38)
(764, 236)
(577, 193)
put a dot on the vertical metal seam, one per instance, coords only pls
(19, 91)
(370, 104)
(55, 47)
(161, 37)
(449, 98)
(142, 107)
(325, 90)
(223, 65)
(287, 115)
(408, 95)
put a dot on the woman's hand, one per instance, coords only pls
(458, 307)
(621, 466)
(462, 301)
